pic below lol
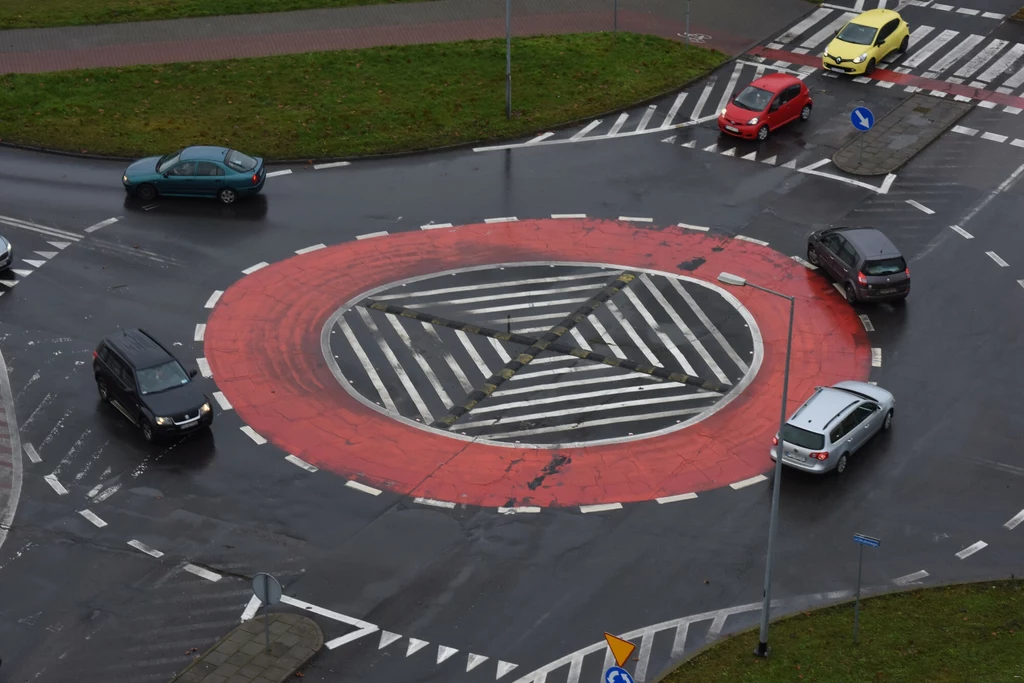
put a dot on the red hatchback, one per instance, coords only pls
(768, 103)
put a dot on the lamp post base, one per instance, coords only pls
(762, 650)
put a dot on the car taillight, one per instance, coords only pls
(95, 355)
(907, 272)
(255, 178)
(862, 278)
(820, 455)
(775, 441)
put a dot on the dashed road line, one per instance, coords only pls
(92, 517)
(214, 298)
(910, 578)
(501, 219)
(222, 400)
(995, 257)
(636, 219)
(202, 573)
(332, 164)
(876, 357)
(568, 215)
(371, 235)
(274, 174)
(139, 545)
(435, 503)
(1015, 521)
(204, 367)
(101, 224)
(364, 488)
(698, 228)
(251, 433)
(435, 226)
(51, 479)
(866, 322)
(805, 264)
(748, 482)
(30, 451)
(971, 549)
(1020, 282)
(200, 332)
(960, 231)
(306, 250)
(295, 460)
(676, 498)
(259, 266)
(751, 239)
(525, 509)
(600, 507)
(919, 206)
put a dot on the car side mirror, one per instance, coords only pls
(192, 373)
(165, 174)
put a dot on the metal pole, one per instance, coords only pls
(687, 22)
(856, 604)
(508, 59)
(615, 16)
(762, 645)
(508, 323)
(266, 622)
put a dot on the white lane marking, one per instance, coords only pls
(532, 374)
(34, 263)
(473, 661)
(532, 293)
(674, 109)
(803, 26)
(731, 152)
(876, 358)
(910, 578)
(107, 493)
(399, 370)
(481, 366)
(51, 479)
(101, 224)
(960, 231)
(476, 424)
(526, 509)
(828, 31)
(646, 119)
(984, 56)
(751, 239)
(993, 15)
(632, 333)
(332, 164)
(995, 257)
(956, 54)
(968, 11)
(1020, 282)
(676, 498)
(1016, 142)
(994, 137)
(530, 305)
(252, 434)
(568, 215)
(444, 652)
(1015, 80)
(415, 645)
(1003, 64)
(453, 364)
(251, 608)
(41, 229)
(363, 488)
(730, 88)
(1003, 186)
(702, 100)
(22, 273)
(589, 127)
(30, 451)
(204, 367)
(1015, 521)
(504, 668)
(306, 250)
(212, 301)
(920, 56)
(812, 170)
(501, 219)
(371, 235)
(200, 332)
(368, 367)
(542, 136)
(920, 207)
(666, 342)
(93, 518)
(709, 326)
(202, 573)
(222, 400)
(421, 361)
(866, 322)
(552, 316)
(435, 226)
(748, 482)
(491, 285)
(299, 462)
(971, 549)
(586, 395)
(698, 228)
(596, 423)
(434, 503)
(635, 219)
(152, 552)
(805, 264)
(602, 507)
(60, 245)
(500, 350)
(386, 638)
(272, 174)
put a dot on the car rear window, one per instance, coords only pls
(858, 34)
(240, 162)
(886, 266)
(754, 99)
(803, 438)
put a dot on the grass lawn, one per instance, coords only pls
(345, 103)
(39, 13)
(941, 635)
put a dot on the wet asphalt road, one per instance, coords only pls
(80, 604)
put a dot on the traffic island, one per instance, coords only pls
(900, 135)
(242, 656)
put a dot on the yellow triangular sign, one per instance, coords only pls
(621, 649)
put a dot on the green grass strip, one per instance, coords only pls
(346, 103)
(958, 634)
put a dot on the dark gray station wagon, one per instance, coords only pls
(862, 261)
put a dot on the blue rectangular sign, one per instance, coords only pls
(867, 540)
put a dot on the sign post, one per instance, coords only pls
(862, 119)
(861, 541)
(268, 590)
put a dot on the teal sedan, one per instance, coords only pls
(198, 171)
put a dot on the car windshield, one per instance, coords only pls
(167, 160)
(162, 377)
(240, 162)
(858, 34)
(754, 99)
(803, 438)
(886, 266)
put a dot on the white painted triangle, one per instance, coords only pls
(444, 652)
(22, 273)
(60, 245)
(504, 668)
(751, 157)
(691, 144)
(386, 638)
(8, 283)
(770, 160)
(790, 164)
(47, 254)
(729, 152)
(671, 138)
(415, 645)
(474, 661)
(712, 147)
(35, 264)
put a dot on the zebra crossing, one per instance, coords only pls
(417, 372)
(33, 244)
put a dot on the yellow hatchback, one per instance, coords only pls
(865, 41)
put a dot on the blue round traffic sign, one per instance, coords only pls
(617, 674)
(862, 118)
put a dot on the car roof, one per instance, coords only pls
(774, 82)
(203, 153)
(821, 408)
(870, 242)
(875, 18)
(139, 348)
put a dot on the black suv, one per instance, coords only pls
(146, 382)
(863, 261)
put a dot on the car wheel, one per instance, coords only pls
(762, 134)
(227, 196)
(851, 294)
(805, 113)
(888, 422)
(101, 387)
(147, 430)
(146, 193)
(905, 44)
(841, 464)
(812, 256)
(870, 68)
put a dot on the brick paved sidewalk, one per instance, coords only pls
(730, 25)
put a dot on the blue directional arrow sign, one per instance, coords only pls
(867, 540)
(617, 675)
(862, 118)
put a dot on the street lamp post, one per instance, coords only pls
(773, 523)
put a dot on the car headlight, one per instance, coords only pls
(204, 409)
(723, 112)
(861, 58)
(752, 121)
(8, 248)
(824, 53)
(163, 421)
(124, 178)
